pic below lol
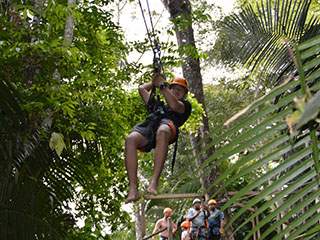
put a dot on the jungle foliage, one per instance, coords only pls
(77, 94)
(75, 90)
(278, 133)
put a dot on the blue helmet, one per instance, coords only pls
(196, 200)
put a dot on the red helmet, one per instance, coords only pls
(180, 81)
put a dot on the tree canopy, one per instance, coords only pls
(69, 99)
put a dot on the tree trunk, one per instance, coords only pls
(68, 34)
(190, 64)
(191, 71)
(140, 221)
(68, 31)
(229, 231)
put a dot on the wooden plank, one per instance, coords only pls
(192, 195)
(172, 196)
(299, 237)
(170, 237)
(251, 193)
(242, 205)
(253, 226)
(257, 221)
(195, 195)
(153, 234)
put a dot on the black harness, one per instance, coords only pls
(157, 112)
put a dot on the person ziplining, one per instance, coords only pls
(158, 131)
(161, 127)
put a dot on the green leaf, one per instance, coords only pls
(56, 143)
(291, 201)
(313, 231)
(311, 111)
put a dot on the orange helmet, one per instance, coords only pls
(185, 224)
(212, 201)
(180, 81)
(167, 210)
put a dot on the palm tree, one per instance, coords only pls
(35, 183)
(290, 190)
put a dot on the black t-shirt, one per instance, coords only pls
(179, 118)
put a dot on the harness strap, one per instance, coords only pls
(198, 233)
(151, 102)
(173, 131)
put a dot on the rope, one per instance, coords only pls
(174, 155)
(156, 49)
(155, 44)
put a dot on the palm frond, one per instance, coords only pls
(9, 106)
(257, 36)
(263, 134)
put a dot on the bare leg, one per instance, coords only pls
(160, 155)
(133, 141)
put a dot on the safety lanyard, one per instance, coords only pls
(155, 44)
(156, 49)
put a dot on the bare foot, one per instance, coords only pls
(152, 189)
(133, 196)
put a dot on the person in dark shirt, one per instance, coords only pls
(216, 221)
(158, 131)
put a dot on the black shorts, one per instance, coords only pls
(149, 128)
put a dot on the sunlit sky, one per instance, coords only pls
(131, 21)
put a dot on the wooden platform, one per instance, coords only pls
(173, 196)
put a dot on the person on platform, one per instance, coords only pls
(198, 219)
(215, 221)
(163, 223)
(185, 228)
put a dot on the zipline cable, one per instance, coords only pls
(156, 49)
(155, 44)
